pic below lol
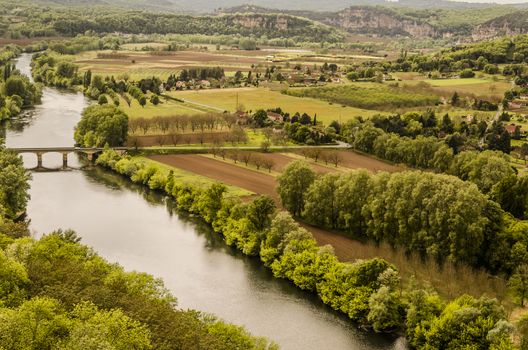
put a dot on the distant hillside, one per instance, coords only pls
(510, 24)
(17, 21)
(397, 20)
(299, 5)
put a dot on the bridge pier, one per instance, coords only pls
(64, 160)
(39, 160)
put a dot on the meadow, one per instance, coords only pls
(253, 99)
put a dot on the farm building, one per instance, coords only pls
(513, 129)
(275, 117)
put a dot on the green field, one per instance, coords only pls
(456, 82)
(165, 108)
(261, 98)
(187, 178)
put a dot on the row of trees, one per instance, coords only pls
(183, 123)
(436, 215)
(368, 292)
(14, 186)
(486, 169)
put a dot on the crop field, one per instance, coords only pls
(194, 179)
(369, 96)
(262, 98)
(483, 87)
(138, 65)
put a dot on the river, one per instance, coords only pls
(139, 230)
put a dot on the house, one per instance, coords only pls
(242, 118)
(519, 103)
(512, 128)
(275, 117)
(205, 83)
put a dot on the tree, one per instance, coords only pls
(102, 100)
(260, 211)
(384, 310)
(455, 99)
(321, 202)
(518, 283)
(101, 125)
(14, 185)
(260, 118)
(294, 182)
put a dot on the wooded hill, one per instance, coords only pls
(206, 6)
(399, 20)
(36, 21)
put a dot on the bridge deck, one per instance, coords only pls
(61, 149)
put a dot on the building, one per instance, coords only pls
(275, 117)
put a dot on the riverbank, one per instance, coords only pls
(368, 291)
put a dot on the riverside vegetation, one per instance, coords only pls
(59, 294)
(369, 292)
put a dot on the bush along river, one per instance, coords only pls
(142, 231)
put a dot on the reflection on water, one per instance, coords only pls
(143, 231)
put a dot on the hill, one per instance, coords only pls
(507, 25)
(207, 6)
(397, 20)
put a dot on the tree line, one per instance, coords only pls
(368, 292)
(488, 169)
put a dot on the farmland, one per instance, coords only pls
(263, 98)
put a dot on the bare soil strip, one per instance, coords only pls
(230, 174)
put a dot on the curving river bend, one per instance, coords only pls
(139, 230)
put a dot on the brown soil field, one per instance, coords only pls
(230, 174)
(282, 160)
(355, 160)
(175, 58)
(449, 280)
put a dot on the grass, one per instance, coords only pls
(370, 96)
(456, 82)
(263, 98)
(165, 108)
(188, 178)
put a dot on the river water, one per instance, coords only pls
(139, 230)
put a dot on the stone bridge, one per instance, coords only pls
(40, 151)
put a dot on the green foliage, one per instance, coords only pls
(294, 182)
(14, 185)
(379, 97)
(44, 21)
(465, 323)
(58, 294)
(100, 126)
